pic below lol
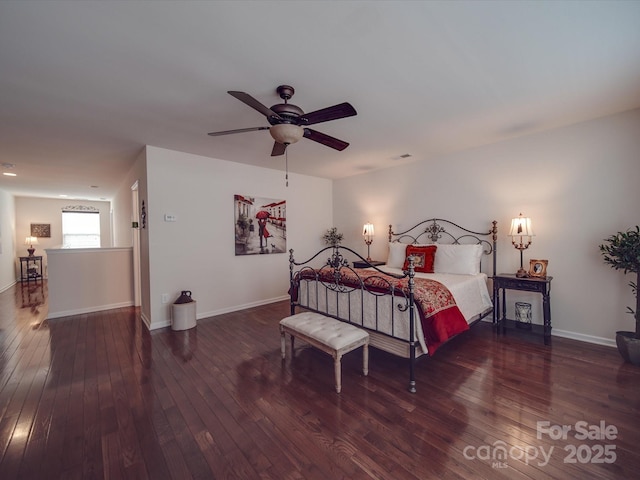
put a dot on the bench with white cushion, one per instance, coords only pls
(327, 334)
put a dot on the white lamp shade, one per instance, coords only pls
(286, 133)
(31, 241)
(521, 227)
(367, 232)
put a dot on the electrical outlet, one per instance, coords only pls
(165, 298)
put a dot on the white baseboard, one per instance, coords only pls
(607, 342)
(96, 308)
(145, 319)
(157, 326)
(581, 337)
(4, 289)
(221, 311)
(235, 308)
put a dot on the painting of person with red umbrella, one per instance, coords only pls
(263, 233)
(269, 215)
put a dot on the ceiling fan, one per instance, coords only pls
(289, 123)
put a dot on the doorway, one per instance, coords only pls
(135, 219)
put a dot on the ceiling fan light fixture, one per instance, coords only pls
(288, 122)
(286, 133)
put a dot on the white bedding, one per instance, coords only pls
(469, 291)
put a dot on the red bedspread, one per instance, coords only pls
(440, 316)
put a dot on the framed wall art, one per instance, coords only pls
(41, 230)
(260, 225)
(538, 268)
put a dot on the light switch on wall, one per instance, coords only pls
(169, 218)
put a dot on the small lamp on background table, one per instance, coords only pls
(367, 233)
(31, 241)
(521, 233)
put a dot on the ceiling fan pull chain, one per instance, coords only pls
(286, 163)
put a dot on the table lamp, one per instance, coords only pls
(521, 234)
(31, 241)
(367, 233)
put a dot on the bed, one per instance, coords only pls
(432, 287)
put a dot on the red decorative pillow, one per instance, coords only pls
(423, 258)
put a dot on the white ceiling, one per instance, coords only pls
(85, 85)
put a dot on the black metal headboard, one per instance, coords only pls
(433, 230)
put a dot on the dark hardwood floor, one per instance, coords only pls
(98, 396)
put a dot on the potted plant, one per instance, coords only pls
(332, 237)
(622, 252)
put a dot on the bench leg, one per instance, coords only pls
(336, 366)
(365, 359)
(282, 344)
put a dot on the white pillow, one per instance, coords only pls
(460, 259)
(397, 254)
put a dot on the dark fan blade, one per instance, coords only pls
(278, 149)
(253, 103)
(330, 113)
(239, 130)
(325, 139)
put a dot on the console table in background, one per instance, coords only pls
(31, 268)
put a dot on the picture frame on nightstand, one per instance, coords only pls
(538, 268)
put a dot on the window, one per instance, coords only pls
(80, 229)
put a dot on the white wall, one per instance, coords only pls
(197, 251)
(7, 241)
(83, 280)
(578, 184)
(30, 210)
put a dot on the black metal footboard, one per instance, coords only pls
(372, 299)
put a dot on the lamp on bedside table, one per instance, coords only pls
(31, 241)
(521, 228)
(367, 233)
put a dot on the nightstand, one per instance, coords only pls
(365, 264)
(541, 285)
